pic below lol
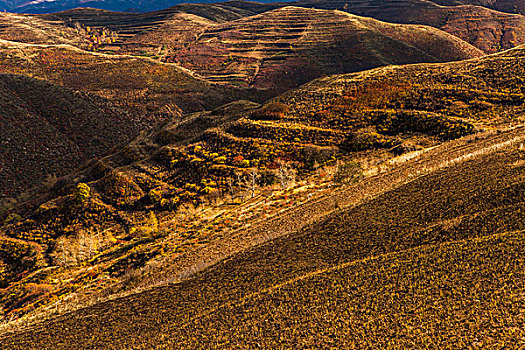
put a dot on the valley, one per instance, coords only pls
(308, 174)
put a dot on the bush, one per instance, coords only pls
(12, 219)
(317, 154)
(271, 111)
(82, 192)
(155, 195)
(356, 142)
(347, 172)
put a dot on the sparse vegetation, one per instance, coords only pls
(358, 209)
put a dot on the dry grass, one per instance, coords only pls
(435, 262)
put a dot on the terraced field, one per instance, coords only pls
(141, 85)
(435, 262)
(273, 50)
(483, 27)
(290, 46)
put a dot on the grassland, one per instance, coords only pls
(435, 262)
(173, 193)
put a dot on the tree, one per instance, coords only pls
(285, 173)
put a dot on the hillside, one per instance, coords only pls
(447, 245)
(173, 193)
(49, 6)
(274, 52)
(33, 30)
(500, 5)
(286, 47)
(48, 131)
(485, 28)
(140, 85)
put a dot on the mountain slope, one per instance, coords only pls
(289, 46)
(33, 30)
(517, 6)
(49, 6)
(141, 85)
(275, 51)
(487, 29)
(48, 130)
(386, 272)
(243, 166)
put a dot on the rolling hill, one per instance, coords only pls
(138, 84)
(199, 188)
(435, 261)
(485, 28)
(500, 5)
(48, 130)
(289, 46)
(274, 52)
(33, 30)
(377, 208)
(49, 6)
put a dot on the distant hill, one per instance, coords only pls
(483, 27)
(50, 6)
(273, 51)
(286, 47)
(138, 84)
(511, 6)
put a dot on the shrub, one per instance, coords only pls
(347, 172)
(356, 142)
(271, 111)
(12, 219)
(317, 154)
(155, 195)
(82, 192)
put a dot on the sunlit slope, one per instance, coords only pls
(289, 46)
(28, 29)
(475, 22)
(150, 182)
(141, 85)
(436, 262)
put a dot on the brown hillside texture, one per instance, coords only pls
(135, 206)
(147, 88)
(28, 29)
(286, 47)
(385, 272)
(276, 50)
(515, 6)
(48, 130)
(485, 28)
